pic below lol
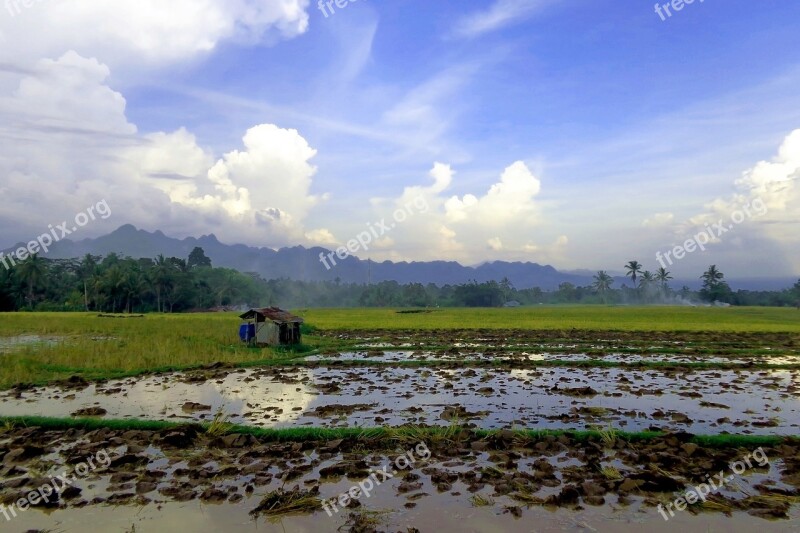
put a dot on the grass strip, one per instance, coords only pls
(379, 433)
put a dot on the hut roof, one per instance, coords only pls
(274, 314)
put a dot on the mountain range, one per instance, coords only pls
(302, 263)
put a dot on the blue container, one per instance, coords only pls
(247, 332)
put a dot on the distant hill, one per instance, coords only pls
(302, 263)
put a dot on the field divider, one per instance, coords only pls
(384, 433)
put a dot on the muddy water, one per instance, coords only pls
(435, 514)
(409, 355)
(755, 402)
(410, 499)
(10, 344)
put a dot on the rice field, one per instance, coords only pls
(553, 414)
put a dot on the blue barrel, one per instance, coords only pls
(243, 331)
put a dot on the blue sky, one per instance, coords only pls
(577, 133)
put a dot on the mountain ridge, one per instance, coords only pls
(301, 263)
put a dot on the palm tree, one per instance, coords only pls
(634, 268)
(663, 276)
(32, 272)
(602, 284)
(646, 284)
(134, 286)
(712, 277)
(647, 279)
(112, 284)
(714, 288)
(161, 277)
(86, 270)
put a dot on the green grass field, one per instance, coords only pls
(596, 318)
(94, 347)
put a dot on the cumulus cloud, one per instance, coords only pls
(321, 237)
(149, 31)
(68, 130)
(763, 210)
(266, 186)
(772, 183)
(464, 227)
(507, 202)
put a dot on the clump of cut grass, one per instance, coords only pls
(219, 426)
(7, 426)
(714, 503)
(479, 500)
(524, 494)
(413, 434)
(364, 520)
(608, 436)
(281, 502)
(609, 472)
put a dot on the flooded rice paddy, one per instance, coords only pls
(713, 401)
(182, 478)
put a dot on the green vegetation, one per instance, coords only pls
(391, 435)
(94, 347)
(173, 284)
(97, 348)
(565, 318)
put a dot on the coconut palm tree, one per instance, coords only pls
(32, 273)
(646, 283)
(86, 270)
(161, 276)
(634, 268)
(714, 288)
(712, 277)
(663, 276)
(602, 284)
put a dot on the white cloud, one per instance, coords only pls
(501, 13)
(321, 237)
(507, 202)
(265, 186)
(69, 131)
(771, 182)
(143, 31)
(658, 220)
(759, 219)
(463, 228)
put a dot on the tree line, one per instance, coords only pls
(170, 284)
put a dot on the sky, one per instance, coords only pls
(575, 133)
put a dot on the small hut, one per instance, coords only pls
(270, 326)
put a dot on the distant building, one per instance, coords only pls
(512, 303)
(270, 326)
